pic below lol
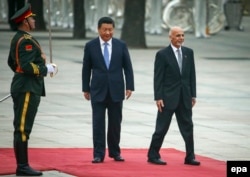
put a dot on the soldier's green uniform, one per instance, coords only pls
(25, 59)
(29, 67)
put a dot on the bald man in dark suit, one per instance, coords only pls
(174, 93)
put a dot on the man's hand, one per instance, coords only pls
(128, 93)
(52, 69)
(160, 105)
(86, 95)
(193, 102)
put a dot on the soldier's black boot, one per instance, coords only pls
(23, 168)
(26, 170)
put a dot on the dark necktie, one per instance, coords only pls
(106, 54)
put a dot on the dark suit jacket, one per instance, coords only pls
(97, 79)
(169, 84)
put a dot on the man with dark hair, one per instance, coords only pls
(104, 62)
(28, 62)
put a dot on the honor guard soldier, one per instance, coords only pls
(28, 63)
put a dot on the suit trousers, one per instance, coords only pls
(185, 124)
(114, 112)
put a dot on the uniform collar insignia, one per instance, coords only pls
(27, 36)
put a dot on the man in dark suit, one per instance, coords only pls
(104, 62)
(174, 92)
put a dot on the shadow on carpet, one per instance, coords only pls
(77, 162)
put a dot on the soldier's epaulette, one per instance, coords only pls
(27, 36)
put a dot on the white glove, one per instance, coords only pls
(50, 68)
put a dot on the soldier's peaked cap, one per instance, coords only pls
(22, 13)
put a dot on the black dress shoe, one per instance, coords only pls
(119, 159)
(26, 170)
(157, 161)
(97, 160)
(192, 162)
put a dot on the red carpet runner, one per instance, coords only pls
(77, 162)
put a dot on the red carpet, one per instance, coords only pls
(77, 161)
